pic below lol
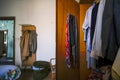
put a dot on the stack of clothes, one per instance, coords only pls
(104, 73)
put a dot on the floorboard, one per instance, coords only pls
(27, 74)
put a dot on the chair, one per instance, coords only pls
(53, 68)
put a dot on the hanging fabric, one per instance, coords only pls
(28, 43)
(68, 54)
(24, 42)
(116, 28)
(108, 34)
(117, 20)
(71, 41)
(88, 28)
(96, 43)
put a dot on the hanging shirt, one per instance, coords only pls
(87, 25)
(24, 45)
(86, 29)
(93, 22)
(96, 44)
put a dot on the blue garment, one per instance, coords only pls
(86, 26)
(87, 29)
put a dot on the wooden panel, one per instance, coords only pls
(86, 1)
(28, 27)
(63, 8)
(83, 65)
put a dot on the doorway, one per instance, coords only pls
(7, 31)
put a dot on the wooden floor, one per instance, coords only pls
(28, 75)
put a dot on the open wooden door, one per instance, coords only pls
(63, 8)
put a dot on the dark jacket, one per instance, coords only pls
(33, 42)
(117, 19)
(108, 34)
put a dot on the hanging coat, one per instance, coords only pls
(28, 44)
(24, 44)
(108, 34)
(33, 42)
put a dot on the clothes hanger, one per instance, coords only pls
(96, 1)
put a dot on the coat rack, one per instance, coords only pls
(27, 60)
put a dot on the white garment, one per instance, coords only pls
(87, 21)
(96, 44)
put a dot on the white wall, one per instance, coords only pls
(42, 14)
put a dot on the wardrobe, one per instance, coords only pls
(78, 10)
